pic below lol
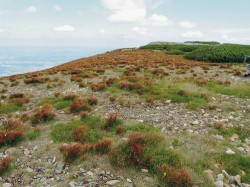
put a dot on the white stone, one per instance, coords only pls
(35, 148)
(144, 170)
(242, 150)
(7, 184)
(129, 181)
(112, 182)
(29, 170)
(195, 122)
(90, 173)
(26, 152)
(219, 184)
(220, 177)
(230, 152)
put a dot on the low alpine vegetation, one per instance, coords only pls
(43, 114)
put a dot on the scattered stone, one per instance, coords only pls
(7, 185)
(90, 173)
(220, 177)
(210, 175)
(246, 185)
(242, 150)
(129, 181)
(219, 183)
(35, 148)
(219, 137)
(144, 170)
(11, 151)
(26, 152)
(234, 137)
(230, 152)
(112, 182)
(72, 184)
(29, 170)
(195, 122)
(59, 168)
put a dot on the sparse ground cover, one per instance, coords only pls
(129, 117)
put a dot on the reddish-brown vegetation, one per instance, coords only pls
(35, 80)
(93, 100)
(10, 137)
(74, 150)
(102, 146)
(17, 95)
(79, 134)
(79, 105)
(44, 114)
(98, 86)
(175, 177)
(4, 164)
(110, 121)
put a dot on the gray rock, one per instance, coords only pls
(230, 151)
(11, 151)
(35, 148)
(29, 170)
(72, 184)
(219, 183)
(246, 185)
(210, 175)
(129, 180)
(195, 122)
(112, 182)
(7, 184)
(242, 150)
(26, 152)
(220, 177)
(144, 170)
(90, 173)
(59, 168)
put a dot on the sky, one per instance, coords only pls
(122, 23)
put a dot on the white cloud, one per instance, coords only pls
(1, 30)
(187, 24)
(193, 34)
(227, 38)
(154, 4)
(159, 20)
(57, 8)
(231, 30)
(141, 30)
(126, 10)
(31, 9)
(102, 30)
(64, 28)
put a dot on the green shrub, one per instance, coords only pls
(143, 149)
(63, 132)
(9, 107)
(33, 133)
(92, 121)
(175, 52)
(220, 53)
(112, 122)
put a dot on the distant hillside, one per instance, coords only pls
(203, 51)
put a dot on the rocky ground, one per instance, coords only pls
(38, 162)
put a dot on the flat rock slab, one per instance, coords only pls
(112, 182)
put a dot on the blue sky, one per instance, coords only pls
(122, 23)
